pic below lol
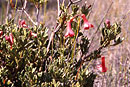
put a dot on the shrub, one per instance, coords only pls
(30, 57)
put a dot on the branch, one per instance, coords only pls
(7, 11)
(76, 1)
(24, 6)
(30, 18)
(23, 10)
(52, 35)
(91, 9)
(87, 58)
(58, 7)
(59, 25)
(38, 8)
(25, 3)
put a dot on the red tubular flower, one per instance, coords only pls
(22, 23)
(9, 39)
(69, 32)
(1, 33)
(108, 23)
(102, 67)
(33, 34)
(87, 25)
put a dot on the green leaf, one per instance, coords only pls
(75, 9)
(45, 34)
(25, 32)
(118, 41)
(33, 70)
(40, 74)
(85, 10)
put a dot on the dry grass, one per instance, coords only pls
(117, 58)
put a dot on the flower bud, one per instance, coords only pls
(1, 33)
(107, 23)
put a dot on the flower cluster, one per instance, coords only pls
(10, 39)
(87, 25)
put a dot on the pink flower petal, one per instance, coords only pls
(87, 25)
(101, 69)
(6, 37)
(22, 23)
(102, 66)
(84, 18)
(69, 32)
(1, 33)
(11, 38)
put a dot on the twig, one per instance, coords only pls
(87, 57)
(7, 11)
(37, 7)
(104, 17)
(16, 2)
(30, 18)
(77, 1)
(52, 35)
(24, 6)
(76, 39)
(25, 3)
(124, 17)
(63, 2)
(58, 7)
(91, 9)
(23, 10)
(84, 59)
(45, 6)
